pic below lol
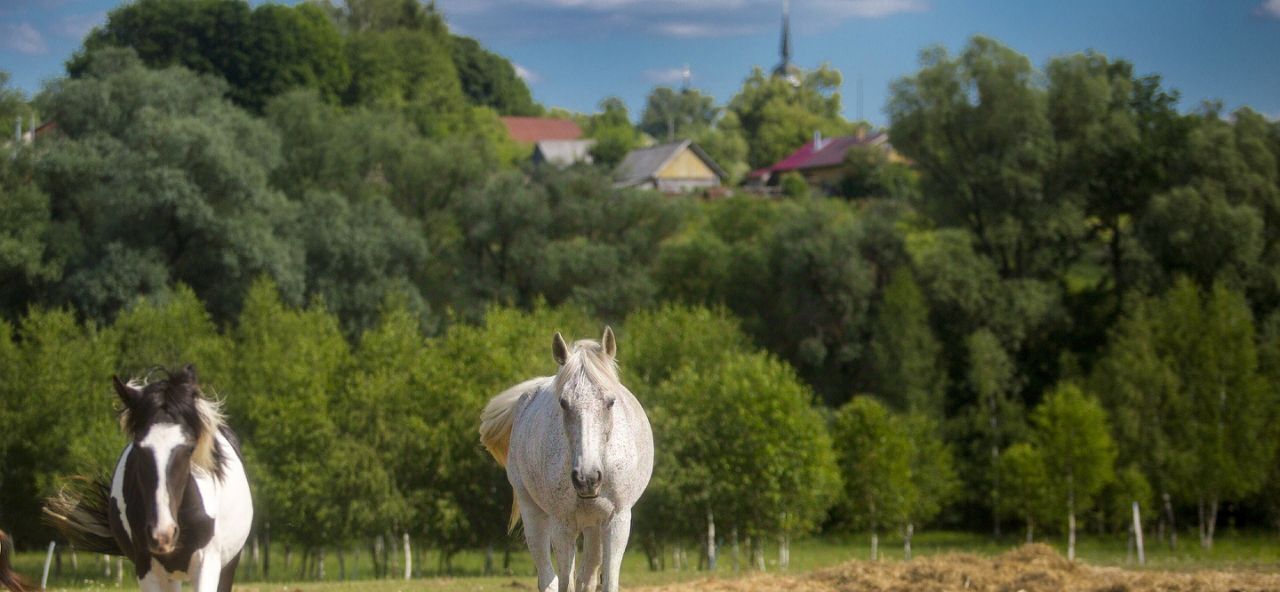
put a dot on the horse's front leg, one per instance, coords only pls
(537, 533)
(205, 578)
(589, 566)
(564, 539)
(157, 581)
(616, 532)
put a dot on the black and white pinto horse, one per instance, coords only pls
(178, 504)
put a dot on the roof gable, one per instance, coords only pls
(830, 153)
(537, 129)
(642, 164)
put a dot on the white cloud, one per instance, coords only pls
(525, 74)
(692, 30)
(665, 75)
(22, 38)
(1269, 8)
(869, 9)
(76, 26)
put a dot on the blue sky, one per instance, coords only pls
(576, 52)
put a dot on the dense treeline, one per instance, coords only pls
(1065, 304)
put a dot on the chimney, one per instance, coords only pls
(817, 140)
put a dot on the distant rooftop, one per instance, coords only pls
(829, 152)
(537, 129)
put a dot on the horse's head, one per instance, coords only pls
(173, 428)
(587, 386)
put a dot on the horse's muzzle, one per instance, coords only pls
(163, 541)
(587, 486)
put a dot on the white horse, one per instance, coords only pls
(579, 452)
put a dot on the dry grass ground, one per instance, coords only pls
(1032, 568)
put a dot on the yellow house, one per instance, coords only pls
(676, 167)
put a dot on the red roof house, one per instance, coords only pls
(821, 160)
(528, 130)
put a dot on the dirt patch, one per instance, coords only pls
(1032, 568)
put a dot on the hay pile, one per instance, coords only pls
(1032, 568)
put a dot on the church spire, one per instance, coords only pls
(784, 68)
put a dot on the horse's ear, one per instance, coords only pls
(559, 350)
(609, 343)
(187, 375)
(126, 393)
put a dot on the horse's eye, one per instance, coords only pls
(608, 403)
(564, 404)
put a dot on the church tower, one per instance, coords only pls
(785, 69)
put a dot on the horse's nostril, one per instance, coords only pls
(576, 477)
(599, 476)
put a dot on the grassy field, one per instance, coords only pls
(1245, 551)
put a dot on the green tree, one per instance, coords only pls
(658, 344)
(748, 446)
(995, 416)
(934, 482)
(976, 127)
(1026, 487)
(57, 402)
(1071, 430)
(259, 52)
(871, 173)
(489, 80)
(163, 181)
(1140, 390)
(1229, 406)
(288, 362)
(611, 129)
(904, 352)
(874, 455)
(670, 115)
(777, 117)
(27, 263)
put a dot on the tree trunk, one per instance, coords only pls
(757, 553)
(288, 558)
(736, 565)
(906, 541)
(995, 462)
(119, 571)
(408, 557)
(254, 558)
(784, 551)
(711, 540)
(320, 563)
(875, 537)
(1031, 530)
(75, 560)
(1137, 535)
(342, 563)
(675, 557)
(1173, 523)
(378, 555)
(1071, 526)
(1208, 521)
(106, 567)
(266, 552)
(488, 559)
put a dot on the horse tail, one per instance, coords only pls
(8, 578)
(496, 421)
(79, 512)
